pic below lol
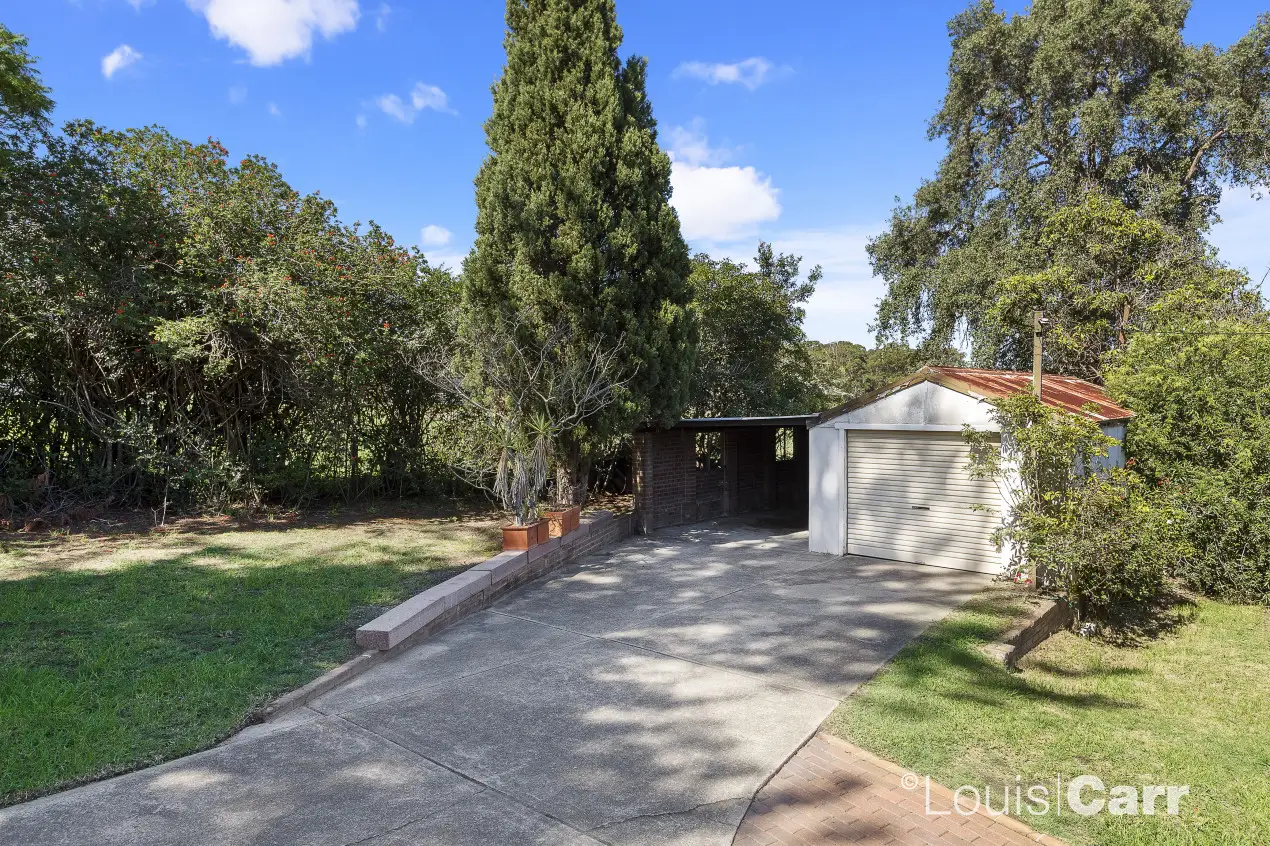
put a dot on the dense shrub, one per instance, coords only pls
(1091, 533)
(177, 326)
(1112, 545)
(1199, 380)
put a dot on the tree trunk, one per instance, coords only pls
(573, 470)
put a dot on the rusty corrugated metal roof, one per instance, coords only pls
(1062, 392)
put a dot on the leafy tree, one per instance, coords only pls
(178, 321)
(24, 101)
(1198, 376)
(1042, 108)
(573, 216)
(1105, 266)
(527, 396)
(751, 358)
(843, 370)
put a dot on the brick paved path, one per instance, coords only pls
(834, 792)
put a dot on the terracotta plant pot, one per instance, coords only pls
(522, 537)
(544, 531)
(563, 521)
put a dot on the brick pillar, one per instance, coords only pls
(665, 484)
(642, 458)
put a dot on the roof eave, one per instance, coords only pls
(922, 375)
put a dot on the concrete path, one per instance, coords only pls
(638, 698)
(833, 792)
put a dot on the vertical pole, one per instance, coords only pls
(1038, 349)
(1038, 354)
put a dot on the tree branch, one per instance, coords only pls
(1203, 148)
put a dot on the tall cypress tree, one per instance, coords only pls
(574, 222)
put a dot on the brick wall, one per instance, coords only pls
(670, 489)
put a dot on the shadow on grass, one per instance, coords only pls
(34, 556)
(1054, 669)
(1138, 626)
(101, 672)
(951, 651)
(137, 524)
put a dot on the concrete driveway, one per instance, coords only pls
(639, 698)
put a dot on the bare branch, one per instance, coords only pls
(531, 388)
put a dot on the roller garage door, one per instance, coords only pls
(910, 498)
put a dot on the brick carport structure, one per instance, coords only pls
(709, 467)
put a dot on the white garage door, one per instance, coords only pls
(910, 498)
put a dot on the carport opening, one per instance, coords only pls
(709, 451)
(784, 444)
(706, 468)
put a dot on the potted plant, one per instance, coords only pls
(520, 537)
(563, 519)
(521, 476)
(528, 386)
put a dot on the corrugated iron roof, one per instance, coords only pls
(1061, 392)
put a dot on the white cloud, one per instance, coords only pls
(237, 95)
(274, 110)
(361, 121)
(716, 203)
(138, 4)
(434, 236)
(845, 302)
(381, 17)
(452, 261)
(1241, 236)
(751, 72)
(429, 97)
(422, 96)
(690, 145)
(118, 59)
(272, 31)
(391, 104)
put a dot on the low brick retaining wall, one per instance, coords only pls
(424, 614)
(1046, 618)
(473, 589)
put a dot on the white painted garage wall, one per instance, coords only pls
(826, 495)
(921, 407)
(862, 476)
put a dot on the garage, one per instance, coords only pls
(910, 498)
(888, 473)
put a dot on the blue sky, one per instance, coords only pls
(798, 123)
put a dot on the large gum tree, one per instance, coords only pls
(1041, 109)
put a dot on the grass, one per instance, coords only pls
(1189, 708)
(121, 652)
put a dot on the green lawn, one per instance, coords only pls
(120, 652)
(1190, 708)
